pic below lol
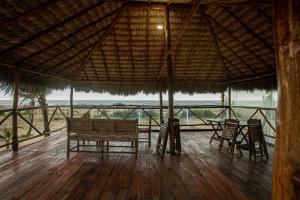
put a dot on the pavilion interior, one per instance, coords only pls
(123, 48)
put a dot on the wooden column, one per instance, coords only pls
(222, 99)
(229, 100)
(71, 101)
(15, 143)
(170, 80)
(287, 46)
(160, 104)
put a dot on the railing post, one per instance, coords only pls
(15, 143)
(229, 100)
(160, 104)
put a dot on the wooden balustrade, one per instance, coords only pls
(202, 125)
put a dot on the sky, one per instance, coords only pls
(64, 95)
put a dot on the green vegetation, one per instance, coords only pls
(6, 135)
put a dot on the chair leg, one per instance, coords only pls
(77, 145)
(149, 141)
(136, 148)
(221, 144)
(68, 148)
(107, 145)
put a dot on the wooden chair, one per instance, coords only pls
(148, 131)
(257, 141)
(162, 139)
(229, 134)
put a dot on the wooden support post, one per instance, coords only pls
(222, 99)
(15, 143)
(287, 45)
(71, 101)
(229, 101)
(161, 112)
(170, 80)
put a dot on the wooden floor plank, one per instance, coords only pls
(42, 171)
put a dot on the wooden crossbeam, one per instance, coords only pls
(94, 69)
(104, 63)
(183, 29)
(248, 30)
(5, 118)
(129, 113)
(103, 113)
(101, 39)
(117, 53)
(52, 28)
(63, 39)
(130, 44)
(49, 122)
(30, 124)
(239, 41)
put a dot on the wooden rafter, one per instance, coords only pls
(85, 74)
(27, 13)
(232, 65)
(100, 41)
(94, 69)
(204, 56)
(62, 40)
(213, 33)
(147, 43)
(117, 53)
(68, 59)
(104, 63)
(239, 41)
(52, 28)
(184, 27)
(191, 53)
(130, 44)
(236, 55)
(248, 30)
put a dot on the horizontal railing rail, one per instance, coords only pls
(192, 120)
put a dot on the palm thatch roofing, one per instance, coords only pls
(120, 46)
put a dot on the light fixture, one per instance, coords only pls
(159, 27)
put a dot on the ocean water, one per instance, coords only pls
(8, 103)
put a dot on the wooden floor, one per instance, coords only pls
(41, 171)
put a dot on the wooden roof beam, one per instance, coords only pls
(130, 44)
(69, 36)
(240, 42)
(27, 13)
(190, 54)
(213, 33)
(117, 53)
(184, 27)
(248, 30)
(94, 69)
(203, 57)
(102, 38)
(52, 28)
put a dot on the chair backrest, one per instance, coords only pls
(79, 125)
(230, 128)
(255, 130)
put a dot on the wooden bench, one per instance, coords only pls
(100, 131)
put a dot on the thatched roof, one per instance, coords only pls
(118, 47)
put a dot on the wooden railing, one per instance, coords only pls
(192, 118)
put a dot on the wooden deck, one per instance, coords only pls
(41, 171)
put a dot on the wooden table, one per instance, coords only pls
(217, 125)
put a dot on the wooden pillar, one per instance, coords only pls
(229, 101)
(170, 80)
(15, 143)
(71, 101)
(222, 99)
(287, 46)
(160, 104)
